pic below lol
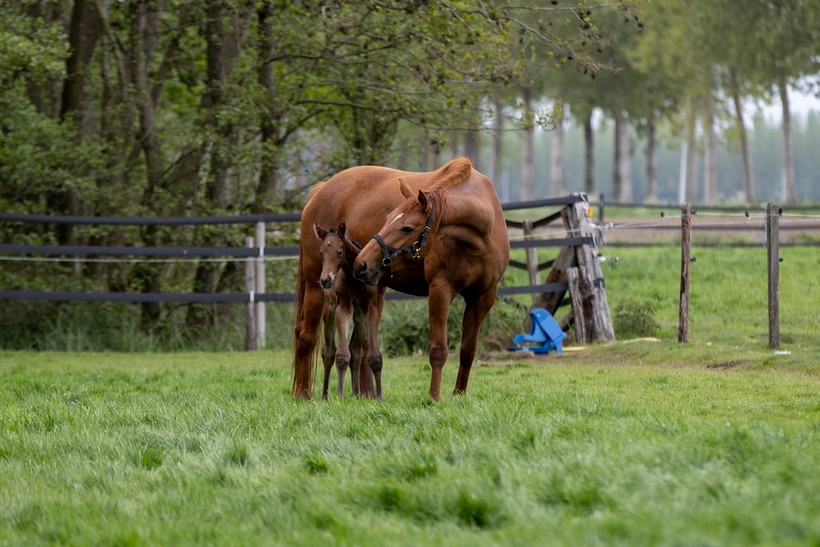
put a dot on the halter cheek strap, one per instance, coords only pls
(390, 253)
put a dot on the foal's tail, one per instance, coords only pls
(304, 366)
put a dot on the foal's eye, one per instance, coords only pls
(407, 230)
(339, 253)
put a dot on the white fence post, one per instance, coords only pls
(250, 287)
(261, 329)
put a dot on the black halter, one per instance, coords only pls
(390, 253)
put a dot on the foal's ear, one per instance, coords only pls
(320, 232)
(405, 189)
(341, 229)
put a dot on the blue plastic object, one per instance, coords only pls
(546, 334)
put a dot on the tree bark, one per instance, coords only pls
(472, 148)
(651, 160)
(143, 31)
(527, 153)
(557, 155)
(691, 158)
(622, 178)
(709, 154)
(788, 191)
(589, 155)
(748, 182)
(498, 148)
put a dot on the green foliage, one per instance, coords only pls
(634, 319)
(610, 446)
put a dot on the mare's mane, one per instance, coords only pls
(453, 173)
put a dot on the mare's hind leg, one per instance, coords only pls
(305, 336)
(329, 349)
(343, 318)
(475, 312)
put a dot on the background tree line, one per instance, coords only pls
(174, 108)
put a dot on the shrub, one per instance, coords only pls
(635, 319)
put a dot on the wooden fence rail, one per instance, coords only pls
(254, 253)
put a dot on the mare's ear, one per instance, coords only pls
(405, 189)
(424, 201)
(320, 232)
(341, 229)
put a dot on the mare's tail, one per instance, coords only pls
(304, 363)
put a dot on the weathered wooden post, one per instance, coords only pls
(685, 261)
(773, 248)
(250, 288)
(590, 298)
(260, 286)
(532, 256)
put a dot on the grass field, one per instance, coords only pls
(639, 442)
(633, 443)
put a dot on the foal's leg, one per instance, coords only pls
(475, 312)
(329, 349)
(438, 304)
(358, 351)
(343, 318)
(374, 355)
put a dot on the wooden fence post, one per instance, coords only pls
(261, 329)
(773, 248)
(685, 261)
(250, 288)
(532, 256)
(595, 306)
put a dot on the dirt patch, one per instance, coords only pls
(726, 364)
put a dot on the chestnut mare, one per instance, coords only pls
(444, 235)
(343, 294)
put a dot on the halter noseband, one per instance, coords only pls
(390, 253)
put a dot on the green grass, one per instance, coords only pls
(632, 443)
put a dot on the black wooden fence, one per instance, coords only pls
(11, 250)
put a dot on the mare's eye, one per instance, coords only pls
(407, 230)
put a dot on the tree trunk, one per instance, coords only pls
(472, 148)
(709, 154)
(622, 182)
(144, 23)
(691, 158)
(748, 183)
(788, 192)
(527, 148)
(557, 154)
(498, 143)
(651, 160)
(617, 180)
(83, 32)
(269, 162)
(589, 155)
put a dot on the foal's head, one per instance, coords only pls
(333, 250)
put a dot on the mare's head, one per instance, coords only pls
(332, 250)
(400, 241)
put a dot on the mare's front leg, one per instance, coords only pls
(344, 315)
(475, 312)
(329, 349)
(438, 305)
